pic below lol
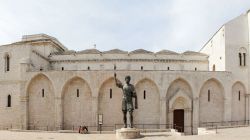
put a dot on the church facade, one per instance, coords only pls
(46, 86)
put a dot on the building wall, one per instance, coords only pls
(41, 104)
(76, 107)
(215, 48)
(213, 102)
(238, 102)
(161, 87)
(236, 35)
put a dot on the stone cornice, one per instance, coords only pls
(131, 60)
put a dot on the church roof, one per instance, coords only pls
(166, 52)
(140, 51)
(43, 37)
(193, 53)
(115, 51)
(90, 51)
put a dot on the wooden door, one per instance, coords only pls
(179, 120)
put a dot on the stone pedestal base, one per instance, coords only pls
(128, 133)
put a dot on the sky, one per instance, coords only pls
(154, 25)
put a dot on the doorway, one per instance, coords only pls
(179, 120)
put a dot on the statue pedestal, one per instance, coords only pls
(128, 133)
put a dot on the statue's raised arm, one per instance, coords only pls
(118, 83)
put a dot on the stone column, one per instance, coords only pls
(58, 113)
(163, 113)
(171, 117)
(247, 107)
(227, 104)
(24, 66)
(24, 112)
(187, 120)
(195, 117)
(94, 111)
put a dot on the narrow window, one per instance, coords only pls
(41, 68)
(62, 68)
(240, 58)
(114, 67)
(77, 93)
(168, 68)
(88, 68)
(141, 67)
(195, 69)
(110, 93)
(208, 96)
(214, 67)
(9, 101)
(7, 63)
(42, 92)
(144, 94)
(244, 59)
(239, 96)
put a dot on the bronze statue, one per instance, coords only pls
(127, 102)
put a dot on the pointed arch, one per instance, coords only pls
(72, 79)
(76, 103)
(238, 102)
(179, 84)
(179, 94)
(148, 96)
(110, 107)
(213, 90)
(41, 111)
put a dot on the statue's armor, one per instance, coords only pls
(128, 93)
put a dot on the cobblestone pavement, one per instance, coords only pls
(242, 133)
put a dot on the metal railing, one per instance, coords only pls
(90, 127)
(224, 124)
(97, 128)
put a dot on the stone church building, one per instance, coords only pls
(46, 86)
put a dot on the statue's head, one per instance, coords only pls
(127, 79)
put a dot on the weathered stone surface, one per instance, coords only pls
(128, 133)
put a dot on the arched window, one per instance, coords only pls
(208, 95)
(141, 67)
(42, 92)
(110, 93)
(144, 94)
(239, 96)
(244, 59)
(9, 101)
(213, 67)
(242, 56)
(77, 93)
(7, 63)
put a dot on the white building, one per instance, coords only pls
(46, 86)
